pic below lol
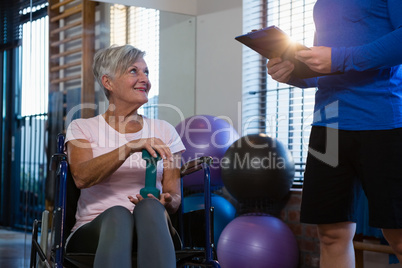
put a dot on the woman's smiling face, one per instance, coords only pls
(133, 84)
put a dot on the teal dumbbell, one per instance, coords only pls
(150, 175)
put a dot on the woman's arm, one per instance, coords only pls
(88, 171)
(171, 192)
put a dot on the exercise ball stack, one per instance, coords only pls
(257, 242)
(205, 135)
(257, 169)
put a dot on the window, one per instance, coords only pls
(24, 105)
(277, 109)
(35, 50)
(139, 27)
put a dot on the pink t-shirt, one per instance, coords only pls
(130, 177)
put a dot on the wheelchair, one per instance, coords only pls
(63, 219)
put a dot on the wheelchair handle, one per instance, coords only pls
(195, 165)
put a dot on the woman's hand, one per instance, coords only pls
(280, 70)
(152, 145)
(165, 198)
(316, 58)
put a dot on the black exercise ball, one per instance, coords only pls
(258, 167)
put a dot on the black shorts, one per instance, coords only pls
(339, 163)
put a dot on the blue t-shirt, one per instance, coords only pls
(366, 41)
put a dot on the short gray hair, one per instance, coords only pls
(113, 61)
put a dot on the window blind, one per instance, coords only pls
(139, 27)
(277, 109)
(14, 14)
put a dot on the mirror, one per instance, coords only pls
(177, 52)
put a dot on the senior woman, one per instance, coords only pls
(105, 159)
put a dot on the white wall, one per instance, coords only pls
(219, 63)
(177, 67)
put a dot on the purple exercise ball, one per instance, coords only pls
(205, 135)
(257, 242)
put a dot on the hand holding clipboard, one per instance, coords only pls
(272, 42)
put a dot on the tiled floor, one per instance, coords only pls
(15, 249)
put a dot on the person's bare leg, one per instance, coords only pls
(336, 245)
(394, 238)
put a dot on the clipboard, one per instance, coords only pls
(272, 42)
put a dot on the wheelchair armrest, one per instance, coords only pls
(59, 155)
(195, 165)
(56, 159)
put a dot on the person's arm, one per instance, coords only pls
(171, 193)
(384, 52)
(303, 83)
(88, 171)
